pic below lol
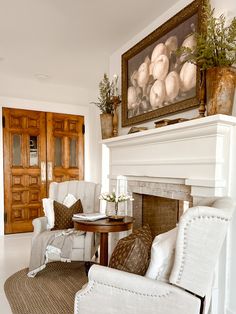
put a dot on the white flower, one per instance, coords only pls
(112, 197)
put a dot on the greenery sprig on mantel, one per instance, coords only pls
(107, 90)
(215, 44)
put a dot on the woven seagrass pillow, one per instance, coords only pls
(64, 214)
(132, 253)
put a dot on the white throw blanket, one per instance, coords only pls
(58, 242)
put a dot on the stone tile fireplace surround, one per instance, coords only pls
(193, 162)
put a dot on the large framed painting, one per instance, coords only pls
(156, 80)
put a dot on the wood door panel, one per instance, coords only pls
(16, 122)
(65, 147)
(34, 181)
(20, 120)
(61, 178)
(17, 181)
(24, 149)
(34, 212)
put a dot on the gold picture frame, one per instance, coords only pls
(143, 98)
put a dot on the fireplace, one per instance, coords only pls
(160, 213)
(192, 162)
(158, 204)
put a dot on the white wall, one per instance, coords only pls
(92, 135)
(227, 7)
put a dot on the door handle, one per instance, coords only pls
(49, 169)
(43, 171)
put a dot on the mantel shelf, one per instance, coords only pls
(182, 126)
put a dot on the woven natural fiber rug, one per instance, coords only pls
(52, 291)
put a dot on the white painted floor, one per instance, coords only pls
(14, 255)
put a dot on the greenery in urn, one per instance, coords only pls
(215, 44)
(107, 91)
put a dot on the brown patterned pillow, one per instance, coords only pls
(64, 214)
(132, 253)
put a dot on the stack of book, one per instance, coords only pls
(89, 217)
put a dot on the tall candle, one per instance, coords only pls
(115, 80)
(117, 189)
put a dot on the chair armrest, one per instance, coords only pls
(113, 291)
(40, 225)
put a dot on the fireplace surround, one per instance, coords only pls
(193, 162)
(158, 204)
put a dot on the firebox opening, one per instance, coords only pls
(162, 214)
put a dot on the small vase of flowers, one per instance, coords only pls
(116, 198)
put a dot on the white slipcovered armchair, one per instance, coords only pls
(85, 245)
(200, 236)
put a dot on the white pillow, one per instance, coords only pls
(69, 200)
(49, 212)
(162, 256)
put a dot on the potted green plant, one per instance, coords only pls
(106, 105)
(215, 55)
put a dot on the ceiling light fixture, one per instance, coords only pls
(41, 76)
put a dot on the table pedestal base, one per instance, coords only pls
(104, 248)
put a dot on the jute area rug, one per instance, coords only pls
(52, 291)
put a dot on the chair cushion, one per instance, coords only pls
(132, 253)
(162, 256)
(63, 214)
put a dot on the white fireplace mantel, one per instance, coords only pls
(198, 152)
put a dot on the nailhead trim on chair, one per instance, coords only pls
(85, 293)
(185, 241)
(127, 290)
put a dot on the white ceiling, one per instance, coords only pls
(68, 40)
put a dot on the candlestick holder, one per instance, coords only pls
(202, 96)
(116, 102)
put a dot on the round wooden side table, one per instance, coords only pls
(104, 226)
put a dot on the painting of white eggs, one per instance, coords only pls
(158, 76)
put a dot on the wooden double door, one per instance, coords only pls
(39, 148)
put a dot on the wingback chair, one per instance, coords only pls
(85, 245)
(200, 235)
